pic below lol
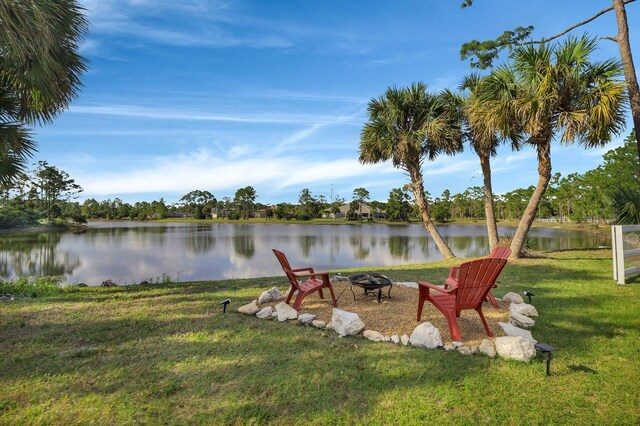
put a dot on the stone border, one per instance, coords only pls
(518, 343)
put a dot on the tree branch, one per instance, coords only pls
(579, 24)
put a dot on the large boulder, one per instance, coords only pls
(520, 320)
(346, 323)
(271, 295)
(512, 297)
(373, 336)
(523, 309)
(488, 348)
(512, 330)
(250, 308)
(306, 318)
(265, 313)
(426, 336)
(515, 347)
(285, 312)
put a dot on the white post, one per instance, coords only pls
(617, 241)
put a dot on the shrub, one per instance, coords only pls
(11, 217)
(26, 287)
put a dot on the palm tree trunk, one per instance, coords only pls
(544, 173)
(629, 68)
(492, 229)
(418, 192)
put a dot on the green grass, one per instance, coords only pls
(166, 354)
(25, 287)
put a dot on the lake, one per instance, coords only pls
(129, 252)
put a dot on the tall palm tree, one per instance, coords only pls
(552, 92)
(484, 142)
(40, 70)
(407, 125)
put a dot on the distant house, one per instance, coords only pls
(366, 212)
(217, 213)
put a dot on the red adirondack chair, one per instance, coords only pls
(316, 282)
(498, 253)
(475, 280)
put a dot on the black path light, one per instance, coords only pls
(547, 351)
(528, 294)
(224, 304)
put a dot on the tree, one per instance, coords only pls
(407, 126)
(549, 92)
(398, 207)
(360, 195)
(486, 51)
(310, 206)
(245, 199)
(39, 72)
(52, 186)
(198, 203)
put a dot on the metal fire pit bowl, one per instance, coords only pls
(370, 283)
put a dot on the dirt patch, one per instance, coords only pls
(397, 315)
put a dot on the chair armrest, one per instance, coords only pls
(312, 274)
(437, 288)
(303, 269)
(453, 273)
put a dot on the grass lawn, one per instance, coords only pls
(166, 354)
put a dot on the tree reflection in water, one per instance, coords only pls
(360, 252)
(35, 254)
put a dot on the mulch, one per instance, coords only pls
(397, 315)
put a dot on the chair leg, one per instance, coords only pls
(333, 297)
(484, 322)
(298, 301)
(454, 328)
(291, 291)
(493, 300)
(421, 297)
(321, 295)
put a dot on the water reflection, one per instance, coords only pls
(132, 252)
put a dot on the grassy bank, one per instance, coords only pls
(167, 354)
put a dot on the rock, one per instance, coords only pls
(523, 309)
(346, 323)
(512, 297)
(404, 339)
(265, 313)
(458, 344)
(285, 312)
(475, 350)
(512, 330)
(87, 285)
(337, 278)
(274, 314)
(250, 308)
(488, 348)
(329, 326)
(373, 336)
(515, 347)
(7, 297)
(409, 284)
(395, 339)
(141, 283)
(426, 336)
(521, 321)
(318, 324)
(449, 348)
(465, 350)
(271, 295)
(387, 338)
(306, 318)
(108, 283)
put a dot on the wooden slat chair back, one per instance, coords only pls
(316, 281)
(475, 280)
(500, 252)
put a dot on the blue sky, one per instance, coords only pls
(218, 95)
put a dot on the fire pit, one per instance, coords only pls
(370, 283)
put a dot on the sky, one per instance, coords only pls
(221, 94)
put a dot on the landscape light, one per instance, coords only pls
(224, 304)
(528, 294)
(547, 351)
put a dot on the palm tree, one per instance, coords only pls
(40, 71)
(484, 142)
(406, 126)
(552, 92)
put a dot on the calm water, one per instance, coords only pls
(132, 252)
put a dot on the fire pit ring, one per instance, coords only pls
(370, 282)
